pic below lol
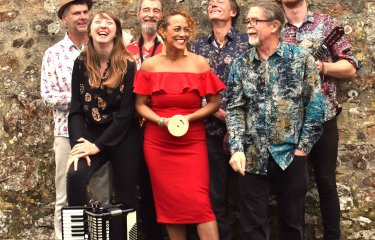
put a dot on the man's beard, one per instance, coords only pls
(254, 42)
(148, 28)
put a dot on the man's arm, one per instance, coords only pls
(313, 100)
(52, 94)
(340, 69)
(235, 119)
(344, 64)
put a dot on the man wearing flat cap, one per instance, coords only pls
(56, 74)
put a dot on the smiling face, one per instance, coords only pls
(149, 14)
(220, 10)
(75, 18)
(103, 28)
(260, 31)
(177, 32)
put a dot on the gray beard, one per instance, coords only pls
(254, 42)
(148, 29)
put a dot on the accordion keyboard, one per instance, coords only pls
(74, 222)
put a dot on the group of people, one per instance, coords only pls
(256, 102)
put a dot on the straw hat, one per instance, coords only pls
(63, 4)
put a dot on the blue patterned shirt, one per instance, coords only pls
(274, 106)
(220, 59)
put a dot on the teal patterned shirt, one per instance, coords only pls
(274, 106)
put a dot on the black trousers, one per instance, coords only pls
(125, 159)
(323, 157)
(219, 172)
(290, 188)
(147, 214)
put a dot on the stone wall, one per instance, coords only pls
(28, 27)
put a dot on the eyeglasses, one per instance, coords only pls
(253, 22)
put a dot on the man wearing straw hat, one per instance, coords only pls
(56, 73)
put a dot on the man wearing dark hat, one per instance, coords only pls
(56, 74)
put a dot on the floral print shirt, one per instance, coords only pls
(310, 35)
(274, 106)
(220, 59)
(56, 76)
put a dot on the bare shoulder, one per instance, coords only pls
(201, 62)
(149, 64)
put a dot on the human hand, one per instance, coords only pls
(166, 121)
(220, 114)
(320, 67)
(238, 162)
(74, 159)
(84, 148)
(299, 153)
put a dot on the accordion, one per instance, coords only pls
(107, 222)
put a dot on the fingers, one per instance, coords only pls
(71, 160)
(74, 159)
(236, 165)
(238, 162)
(82, 140)
(298, 152)
(76, 164)
(242, 166)
(166, 121)
(88, 160)
(83, 147)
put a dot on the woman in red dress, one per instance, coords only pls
(168, 84)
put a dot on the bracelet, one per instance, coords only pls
(161, 122)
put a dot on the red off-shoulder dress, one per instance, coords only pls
(178, 166)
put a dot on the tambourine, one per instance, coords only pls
(178, 125)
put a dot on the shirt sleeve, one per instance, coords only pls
(235, 119)
(76, 118)
(122, 120)
(313, 101)
(341, 50)
(52, 94)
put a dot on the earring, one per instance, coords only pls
(164, 50)
(185, 51)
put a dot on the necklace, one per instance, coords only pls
(104, 76)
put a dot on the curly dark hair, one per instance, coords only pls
(163, 22)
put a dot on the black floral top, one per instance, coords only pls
(103, 107)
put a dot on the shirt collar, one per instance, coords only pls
(158, 39)
(255, 56)
(69, 43)
(230, 35)
(309, 18)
